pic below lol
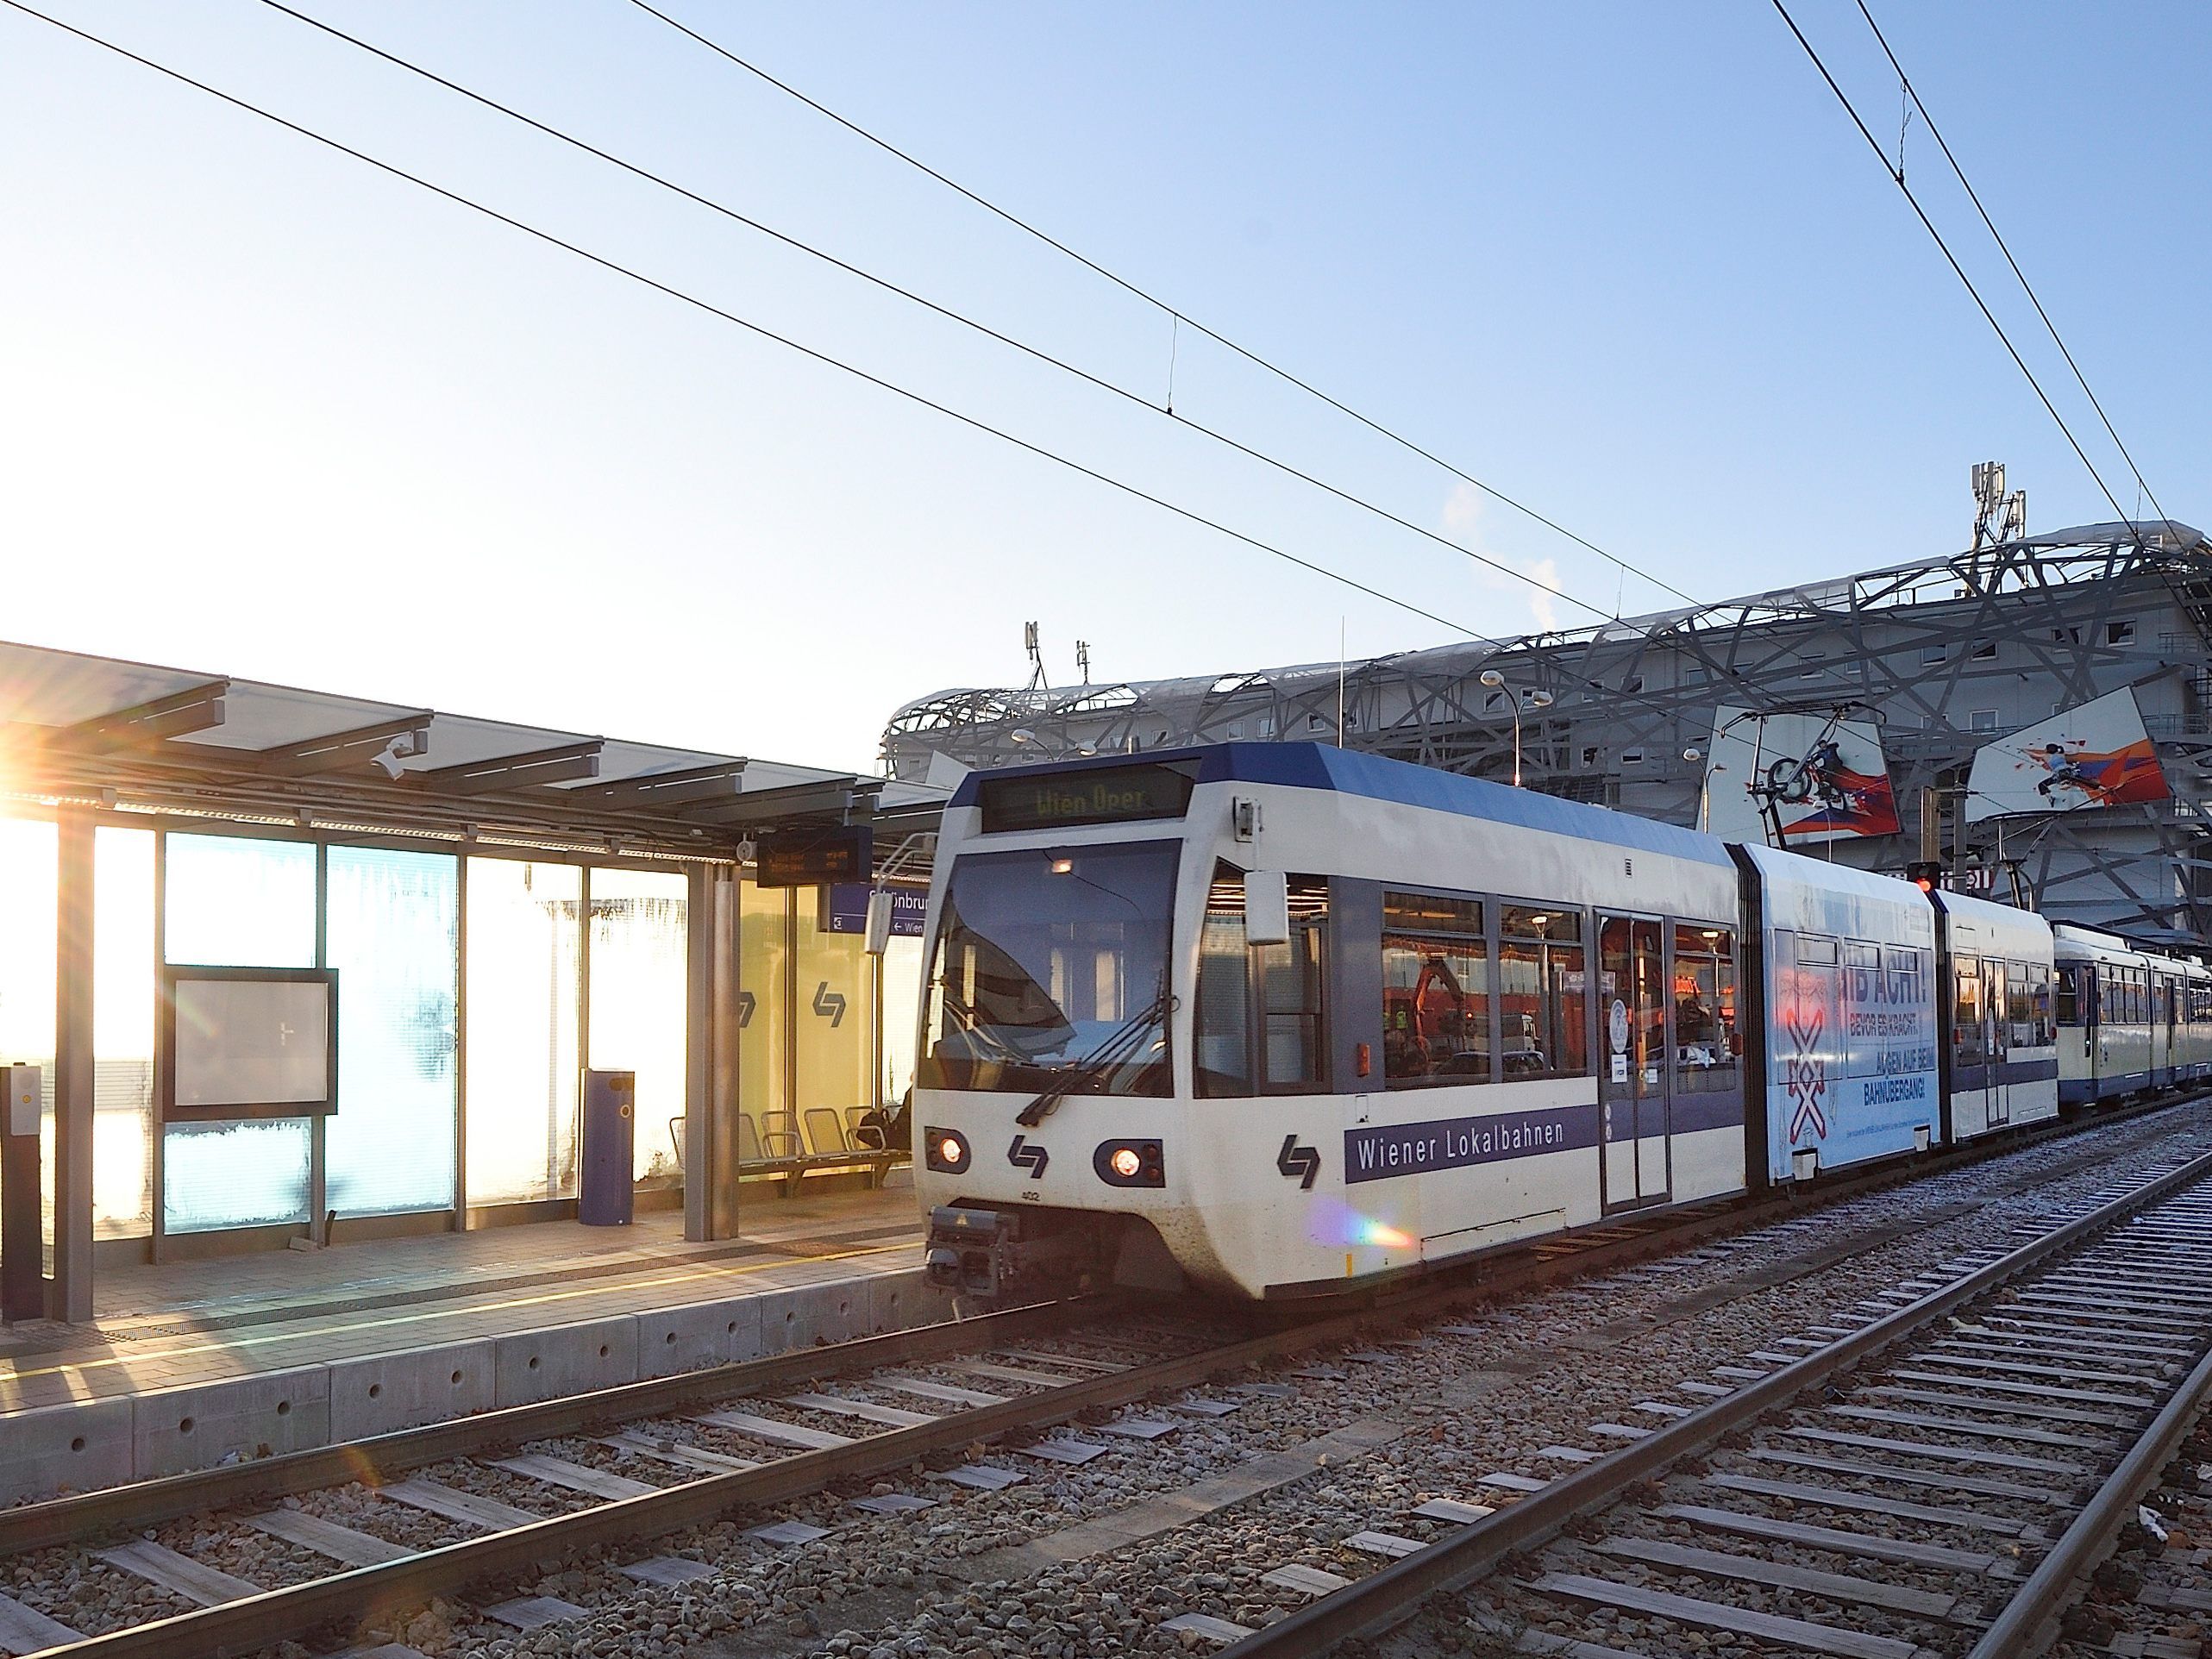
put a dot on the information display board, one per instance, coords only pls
(247, 1042)
(812, 858)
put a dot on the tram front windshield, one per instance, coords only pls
(1051, 972)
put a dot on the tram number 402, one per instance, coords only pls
(1032, 1196)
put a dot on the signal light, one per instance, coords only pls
(1924, 873)
(946, 1151)
(1130, 1163)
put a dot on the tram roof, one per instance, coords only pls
(1377, 777)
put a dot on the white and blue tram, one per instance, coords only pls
(2129, 1019)
(1279, 1019)
(1997, 1020)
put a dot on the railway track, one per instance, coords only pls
(1935, 1482)
(610, 1471)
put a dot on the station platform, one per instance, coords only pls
(191, 1364)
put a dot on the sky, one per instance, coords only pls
(267, 412)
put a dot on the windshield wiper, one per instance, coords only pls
(1120, 1046)
(972, 1024)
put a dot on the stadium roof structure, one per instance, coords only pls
(130, 736)
(1942, 655)
(998, 725)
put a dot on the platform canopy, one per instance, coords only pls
(129, 736)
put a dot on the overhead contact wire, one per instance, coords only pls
(1897, 177)
(762, 330)
(1936, 133)
(936, 307)
(1181, 316)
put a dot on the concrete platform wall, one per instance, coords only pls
(102, 1443)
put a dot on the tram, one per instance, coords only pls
(1281, 1020)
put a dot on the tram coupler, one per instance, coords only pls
(996, 1255)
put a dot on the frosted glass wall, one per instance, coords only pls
(240, 903)
(392, 932)
(123, 1032)
(525, 931)
(232, 902)
(639, 981)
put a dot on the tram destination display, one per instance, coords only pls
(1102, 795)
(247, 1042)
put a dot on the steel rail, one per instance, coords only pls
(66, 1521)
(1386, 1598)
(360, 1595)
(365, 1594)
(2025, 1626)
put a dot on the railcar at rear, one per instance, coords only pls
(1996, 1019)
(2105, 1027)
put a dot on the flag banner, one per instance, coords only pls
(1829, 779)
(2096, 755)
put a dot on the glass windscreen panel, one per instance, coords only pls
(1050, 962)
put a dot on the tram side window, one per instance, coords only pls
(1707, 1049)
(2069, 999)
(1542, 992)
(1966, 1043)
(1436, 990)
(1222, 1020)
(2019, 1009)
(2042, 1029)
(1262, 1001)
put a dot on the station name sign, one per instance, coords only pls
(812, 858)
(1105, 795)
(843, 908)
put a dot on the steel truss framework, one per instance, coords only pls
(1944, 655)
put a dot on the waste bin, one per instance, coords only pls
(604, 1186)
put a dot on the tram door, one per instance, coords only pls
(1996, 1011)
(1633, 1074)
(1972, 1103)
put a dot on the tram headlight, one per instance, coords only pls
(946, 1151)
(1130, 1163)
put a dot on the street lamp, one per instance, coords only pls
(1537, 699)
(1704, 787)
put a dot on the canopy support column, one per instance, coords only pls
(711, 1055)
(69, 1296)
